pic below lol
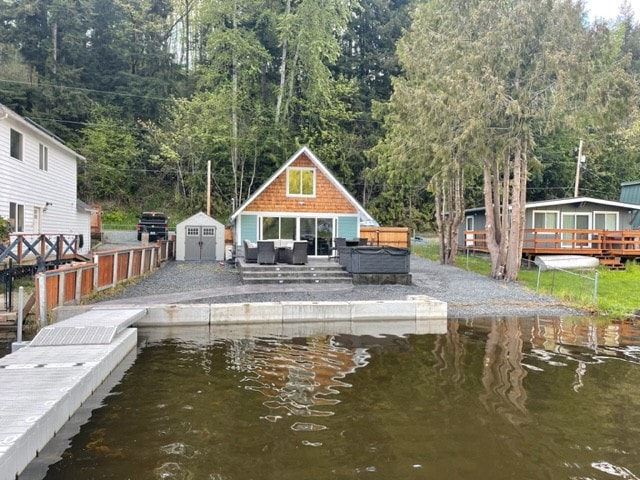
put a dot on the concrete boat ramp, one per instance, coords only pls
(45, 382)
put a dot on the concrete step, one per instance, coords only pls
(253, 280)
(294, 268)
(300, 273)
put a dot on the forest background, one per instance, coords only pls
(410, 103)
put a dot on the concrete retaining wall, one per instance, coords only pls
(414, 308)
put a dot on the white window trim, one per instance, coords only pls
(21, 157)
(533, 219)
(603, 212)
(43, 157)
(570, 244)
(299, 169)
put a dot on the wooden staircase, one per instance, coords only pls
(611, 262)
(318, 272)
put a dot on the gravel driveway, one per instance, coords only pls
(466, 293)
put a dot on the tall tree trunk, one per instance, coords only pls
(518, 201)
(489, 175)
(283, 66)
(449, 204)
(234, 115)
(187, 35)
(505, 224)
(54, 41)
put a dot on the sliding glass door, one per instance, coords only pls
(318, 232)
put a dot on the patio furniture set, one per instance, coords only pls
(270, 252)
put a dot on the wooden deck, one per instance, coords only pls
(612, 247)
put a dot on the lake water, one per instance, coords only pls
(510, 398)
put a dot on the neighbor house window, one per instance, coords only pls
(16, 144)
(44, 157)
(605, 220)
(16, 217)
(545, 219)
(301, 181)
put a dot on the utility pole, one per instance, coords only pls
(209, 188)
(578, 162)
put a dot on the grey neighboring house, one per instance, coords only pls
(566, 213)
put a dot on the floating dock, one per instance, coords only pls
(43, 384)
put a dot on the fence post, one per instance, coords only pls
(129, 263)
(115, 269)
(20, 313)
(78, 290)
(41, 283)
(61, 286)
(96, 272)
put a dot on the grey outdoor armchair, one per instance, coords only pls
(266, 252)
(250, 252)
(296, 255)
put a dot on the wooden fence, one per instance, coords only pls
(68, 284)
(391, 236)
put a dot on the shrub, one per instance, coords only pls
(4, 229)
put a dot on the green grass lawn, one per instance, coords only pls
(617, 292)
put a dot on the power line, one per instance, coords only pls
(89, 90)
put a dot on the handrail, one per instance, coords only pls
(567, 240)
(28, 247)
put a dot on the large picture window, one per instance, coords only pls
(276, 228)
(16, 144)
(301, 182)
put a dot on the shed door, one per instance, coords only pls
(200, 243)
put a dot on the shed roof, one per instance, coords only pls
(199, 218)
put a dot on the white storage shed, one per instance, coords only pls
(200, 238)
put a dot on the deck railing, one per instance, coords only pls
(25, 248)
(623, 243)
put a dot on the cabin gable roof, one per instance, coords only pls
(330, 195)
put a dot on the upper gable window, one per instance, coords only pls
(301, 181)
(16, 144)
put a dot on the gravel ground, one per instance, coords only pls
(467, 294)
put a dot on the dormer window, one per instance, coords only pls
(301, 182)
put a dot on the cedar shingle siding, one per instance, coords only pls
(328, 199)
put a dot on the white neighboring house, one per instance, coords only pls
(38, 181)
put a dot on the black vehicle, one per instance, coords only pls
(156, 224)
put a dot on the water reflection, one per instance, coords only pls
(503, 373)
(300, 379)
(497, 398)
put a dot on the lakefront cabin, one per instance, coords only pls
(302, 201)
